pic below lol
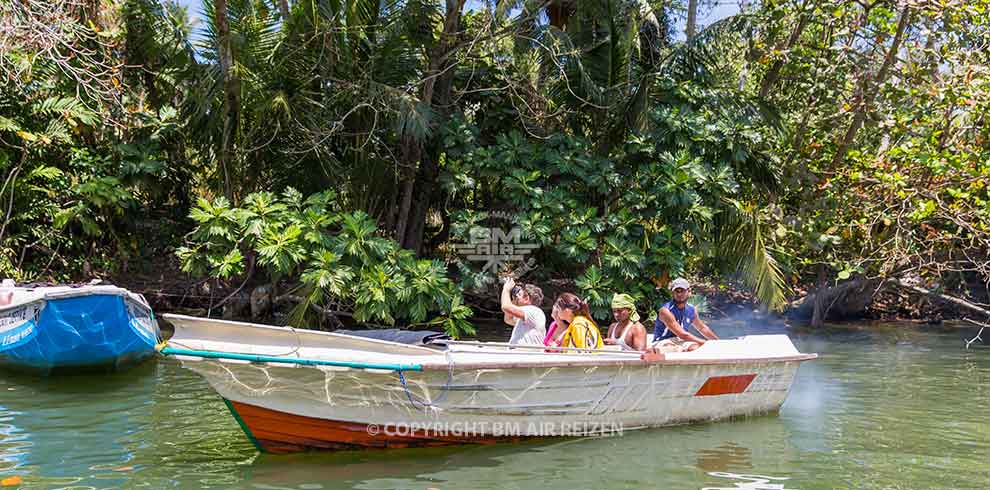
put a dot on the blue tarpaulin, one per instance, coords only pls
(83, 331)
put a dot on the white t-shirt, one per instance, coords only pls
(530, 329)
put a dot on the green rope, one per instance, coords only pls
(288, 360)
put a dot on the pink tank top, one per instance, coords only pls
(548, 340)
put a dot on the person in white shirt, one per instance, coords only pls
(521, 305)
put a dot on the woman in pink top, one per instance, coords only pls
(555, 334)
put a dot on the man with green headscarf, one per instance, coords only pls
(627, 332)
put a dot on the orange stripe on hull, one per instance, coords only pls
(279, 432)
(725, 385)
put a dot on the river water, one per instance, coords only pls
(885, 407)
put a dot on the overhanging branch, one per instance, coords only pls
(941, 296)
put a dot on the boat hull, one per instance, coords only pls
(297, 390)
(277, 432)
(79, 332)
(285, 409)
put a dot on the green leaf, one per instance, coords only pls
(45, 172)
(7, 124)
(231, 265)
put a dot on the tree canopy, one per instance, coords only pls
(345, 148)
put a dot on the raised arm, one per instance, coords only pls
(512, 312)
(668, 319)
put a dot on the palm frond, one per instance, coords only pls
(415, 118)
(742, 247)
(706, 57)
(69, 108)
(637, 110)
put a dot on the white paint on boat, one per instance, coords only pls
(484, 385)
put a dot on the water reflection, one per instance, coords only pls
(728, 456)
(749, 482)
(678, 456)
(69, 418)
(106, 431)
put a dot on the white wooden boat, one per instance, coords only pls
(294, 390)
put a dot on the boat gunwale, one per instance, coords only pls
(13, 306)
(168, 317)
(75, 292)
(219, 356)
(294, 361)
(588, 358)
(618, 362)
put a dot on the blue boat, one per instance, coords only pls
(70, 329)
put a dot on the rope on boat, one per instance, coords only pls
(409, 395)
(399, 368)
(443, 393)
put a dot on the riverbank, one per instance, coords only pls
(170, 290)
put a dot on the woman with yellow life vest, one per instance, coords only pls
(582, 332)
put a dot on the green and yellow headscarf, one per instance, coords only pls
(623, 300)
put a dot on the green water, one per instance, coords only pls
(883, 408)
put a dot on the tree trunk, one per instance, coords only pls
(283, 8)
(409, 157)
(817, 314)
(559, 13)
(744, 70)
(801, 129)
(774, 72)
(692, 19)
(422, 166)
(11, 181)
(653, 34)
(231, 102)
(390, 211)
(870, 90)
(846, 301)
(428, 171)
(931, 53)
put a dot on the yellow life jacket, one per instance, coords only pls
(582, 333)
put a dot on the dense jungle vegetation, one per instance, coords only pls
(339, 151)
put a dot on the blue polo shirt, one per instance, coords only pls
(684, 317)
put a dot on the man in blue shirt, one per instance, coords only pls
(671, 330)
